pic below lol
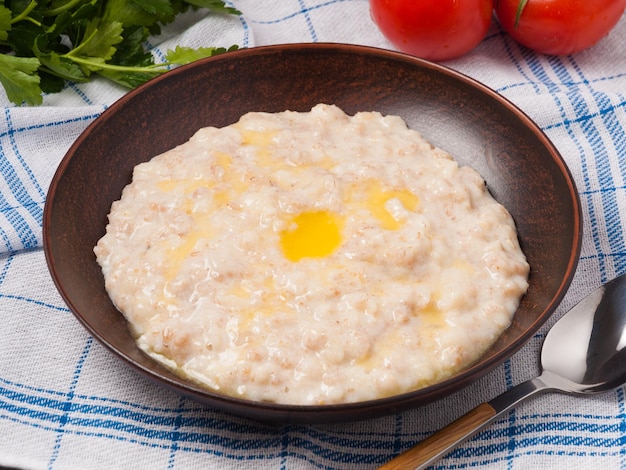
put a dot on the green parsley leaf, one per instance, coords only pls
(129, 13)
(99, 42)
(5, 23)
(59, 65)
(131, 51)
(22, 37)
(156, 7)
(45, 43)
(129, 79)
(19, 79)
(216, 6)
(50, 83)
(186, 55)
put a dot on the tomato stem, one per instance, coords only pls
(520, 8)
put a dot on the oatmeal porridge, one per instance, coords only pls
(312, 258)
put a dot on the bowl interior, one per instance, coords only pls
(522, 169)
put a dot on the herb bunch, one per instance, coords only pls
(44, 43)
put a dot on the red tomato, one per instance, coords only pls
(433, 29)
(559, 27)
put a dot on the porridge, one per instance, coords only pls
(312, 258)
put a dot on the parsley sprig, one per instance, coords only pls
(44, 43)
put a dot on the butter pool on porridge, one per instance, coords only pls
(312, 258)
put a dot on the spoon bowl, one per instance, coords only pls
(583, 353)
(599, 322)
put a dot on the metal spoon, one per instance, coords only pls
(584, 353)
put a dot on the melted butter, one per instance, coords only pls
(186, 186)
(177, 255)
(377, 199)
(169, 185)
(464, 266)
(262, 141)
(313, 234)
(238, 290)
(325, 163)
(222, 197)
(264, 302)
(376, 355)
(235, 184)
(432, 315)
(224, 160)
(372, 197)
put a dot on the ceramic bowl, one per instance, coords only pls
(480, 128)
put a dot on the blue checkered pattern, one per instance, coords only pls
(66, 403)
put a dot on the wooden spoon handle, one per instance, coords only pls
(443, 440)
(446, 439)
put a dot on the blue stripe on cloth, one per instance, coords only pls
(603, 151)
(39, 303)
(581, 108)
(397, 441)
(47, 404)
(25, 228)
(6, 261)
(73, 413)
(84, 118)
(305, 11)
(512, 415)
(77, 91)
(95, 416)
(64, 417)
(585, 435)
(307, 18)
(23, 197)
(21, 229)
(6, 239)
(14, 215)
(24, 166)
(593, 130)
(246, 27)
(556, 94)
(323, 452)
(284, 450)
(622, 426)
(175, 433)
(506, 41)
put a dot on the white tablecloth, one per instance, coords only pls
(66, 403)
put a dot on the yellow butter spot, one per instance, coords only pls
(377, 199)
(167, 185)
(311, 235)
(262, 141)
(224, 160)
(325, 162)
(257, 138)
(184, 249)
(432, 315)
(223, 189)
(240, 291)
(381, 350)
(464, 266)
(221, 198)
(176, 256)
